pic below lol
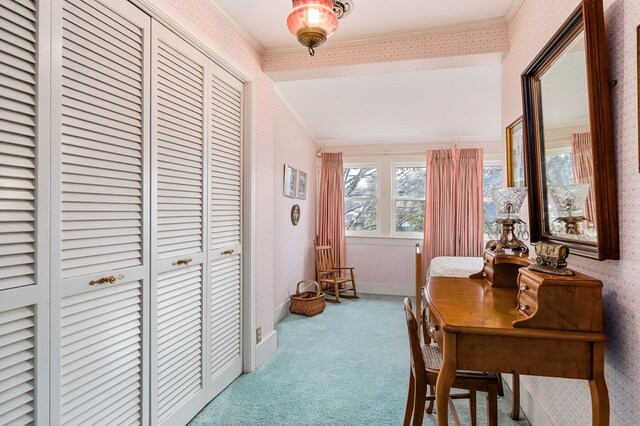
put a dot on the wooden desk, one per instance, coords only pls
(476, 333)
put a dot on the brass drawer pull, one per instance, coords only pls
(182, 262)
(104, 280)
(523, 307)
(227, 253)
(524, 287)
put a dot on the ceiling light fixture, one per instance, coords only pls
(312, 21)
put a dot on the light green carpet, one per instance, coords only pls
(346, 366)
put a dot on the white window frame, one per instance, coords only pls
(385, 225)
(377, 232)
(394, 199)
(385, 218)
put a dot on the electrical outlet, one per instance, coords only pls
(258, 334)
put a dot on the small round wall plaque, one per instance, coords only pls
(295, 214)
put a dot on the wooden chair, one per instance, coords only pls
(426, 360)
(331, 279)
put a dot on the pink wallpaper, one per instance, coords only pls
(491, 148)
(486, 40)
(205, 19)
(568, 402)
(386, 268)
(292, 245)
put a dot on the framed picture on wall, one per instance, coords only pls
(301, 190)
(515, 155)
(290, 181)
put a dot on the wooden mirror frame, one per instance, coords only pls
(590, 17)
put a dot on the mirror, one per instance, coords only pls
(568, 134)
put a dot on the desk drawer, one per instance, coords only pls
(528, 286)
(487, 272)
(526, 305)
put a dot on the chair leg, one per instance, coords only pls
(454, 413)
(419, 398)
(408, 411)
(500, 385)
(515, 406)
(432, 392)
(473, 407)
(353, 285)
(337, 290)
(492, 405)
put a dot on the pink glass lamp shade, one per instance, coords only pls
(312, 21)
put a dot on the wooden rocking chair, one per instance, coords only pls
(331, 279)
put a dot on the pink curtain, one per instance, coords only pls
(440, 207)
(583, 169)
(454, 212)
(469, 209)
(331, 213)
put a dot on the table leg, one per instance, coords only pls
(598, 388)
(515, 388)
(446, 377)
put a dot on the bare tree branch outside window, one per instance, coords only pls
(410, 187)
(491, 178)
(361, 198)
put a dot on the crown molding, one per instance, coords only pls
(513, 10)
(413, 141)
(236, 27)
(399, 35)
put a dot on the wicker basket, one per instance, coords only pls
(307, 303)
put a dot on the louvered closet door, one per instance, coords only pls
(225, 133)
(23, 230)
(178, 229)
(100, 258)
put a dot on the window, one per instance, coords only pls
(559, 168)
(408, 199)
(361, 199)
(491, 178)
(384, 196)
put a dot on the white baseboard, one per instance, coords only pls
(386, 289)
(281, 311)
(266, 348)
(536, 415)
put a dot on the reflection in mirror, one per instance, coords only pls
(567, 165)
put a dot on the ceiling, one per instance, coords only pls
(266, 20)
(426, 106)
(458, 104)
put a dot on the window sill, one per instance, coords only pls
(377, 240)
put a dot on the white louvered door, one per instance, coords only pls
(100, 217)
(225, 245)
(178, 229)
(24, 170)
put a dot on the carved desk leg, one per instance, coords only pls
(446, 377)
(598, 388)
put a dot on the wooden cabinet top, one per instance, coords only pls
(465, 305)
(577, 280)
